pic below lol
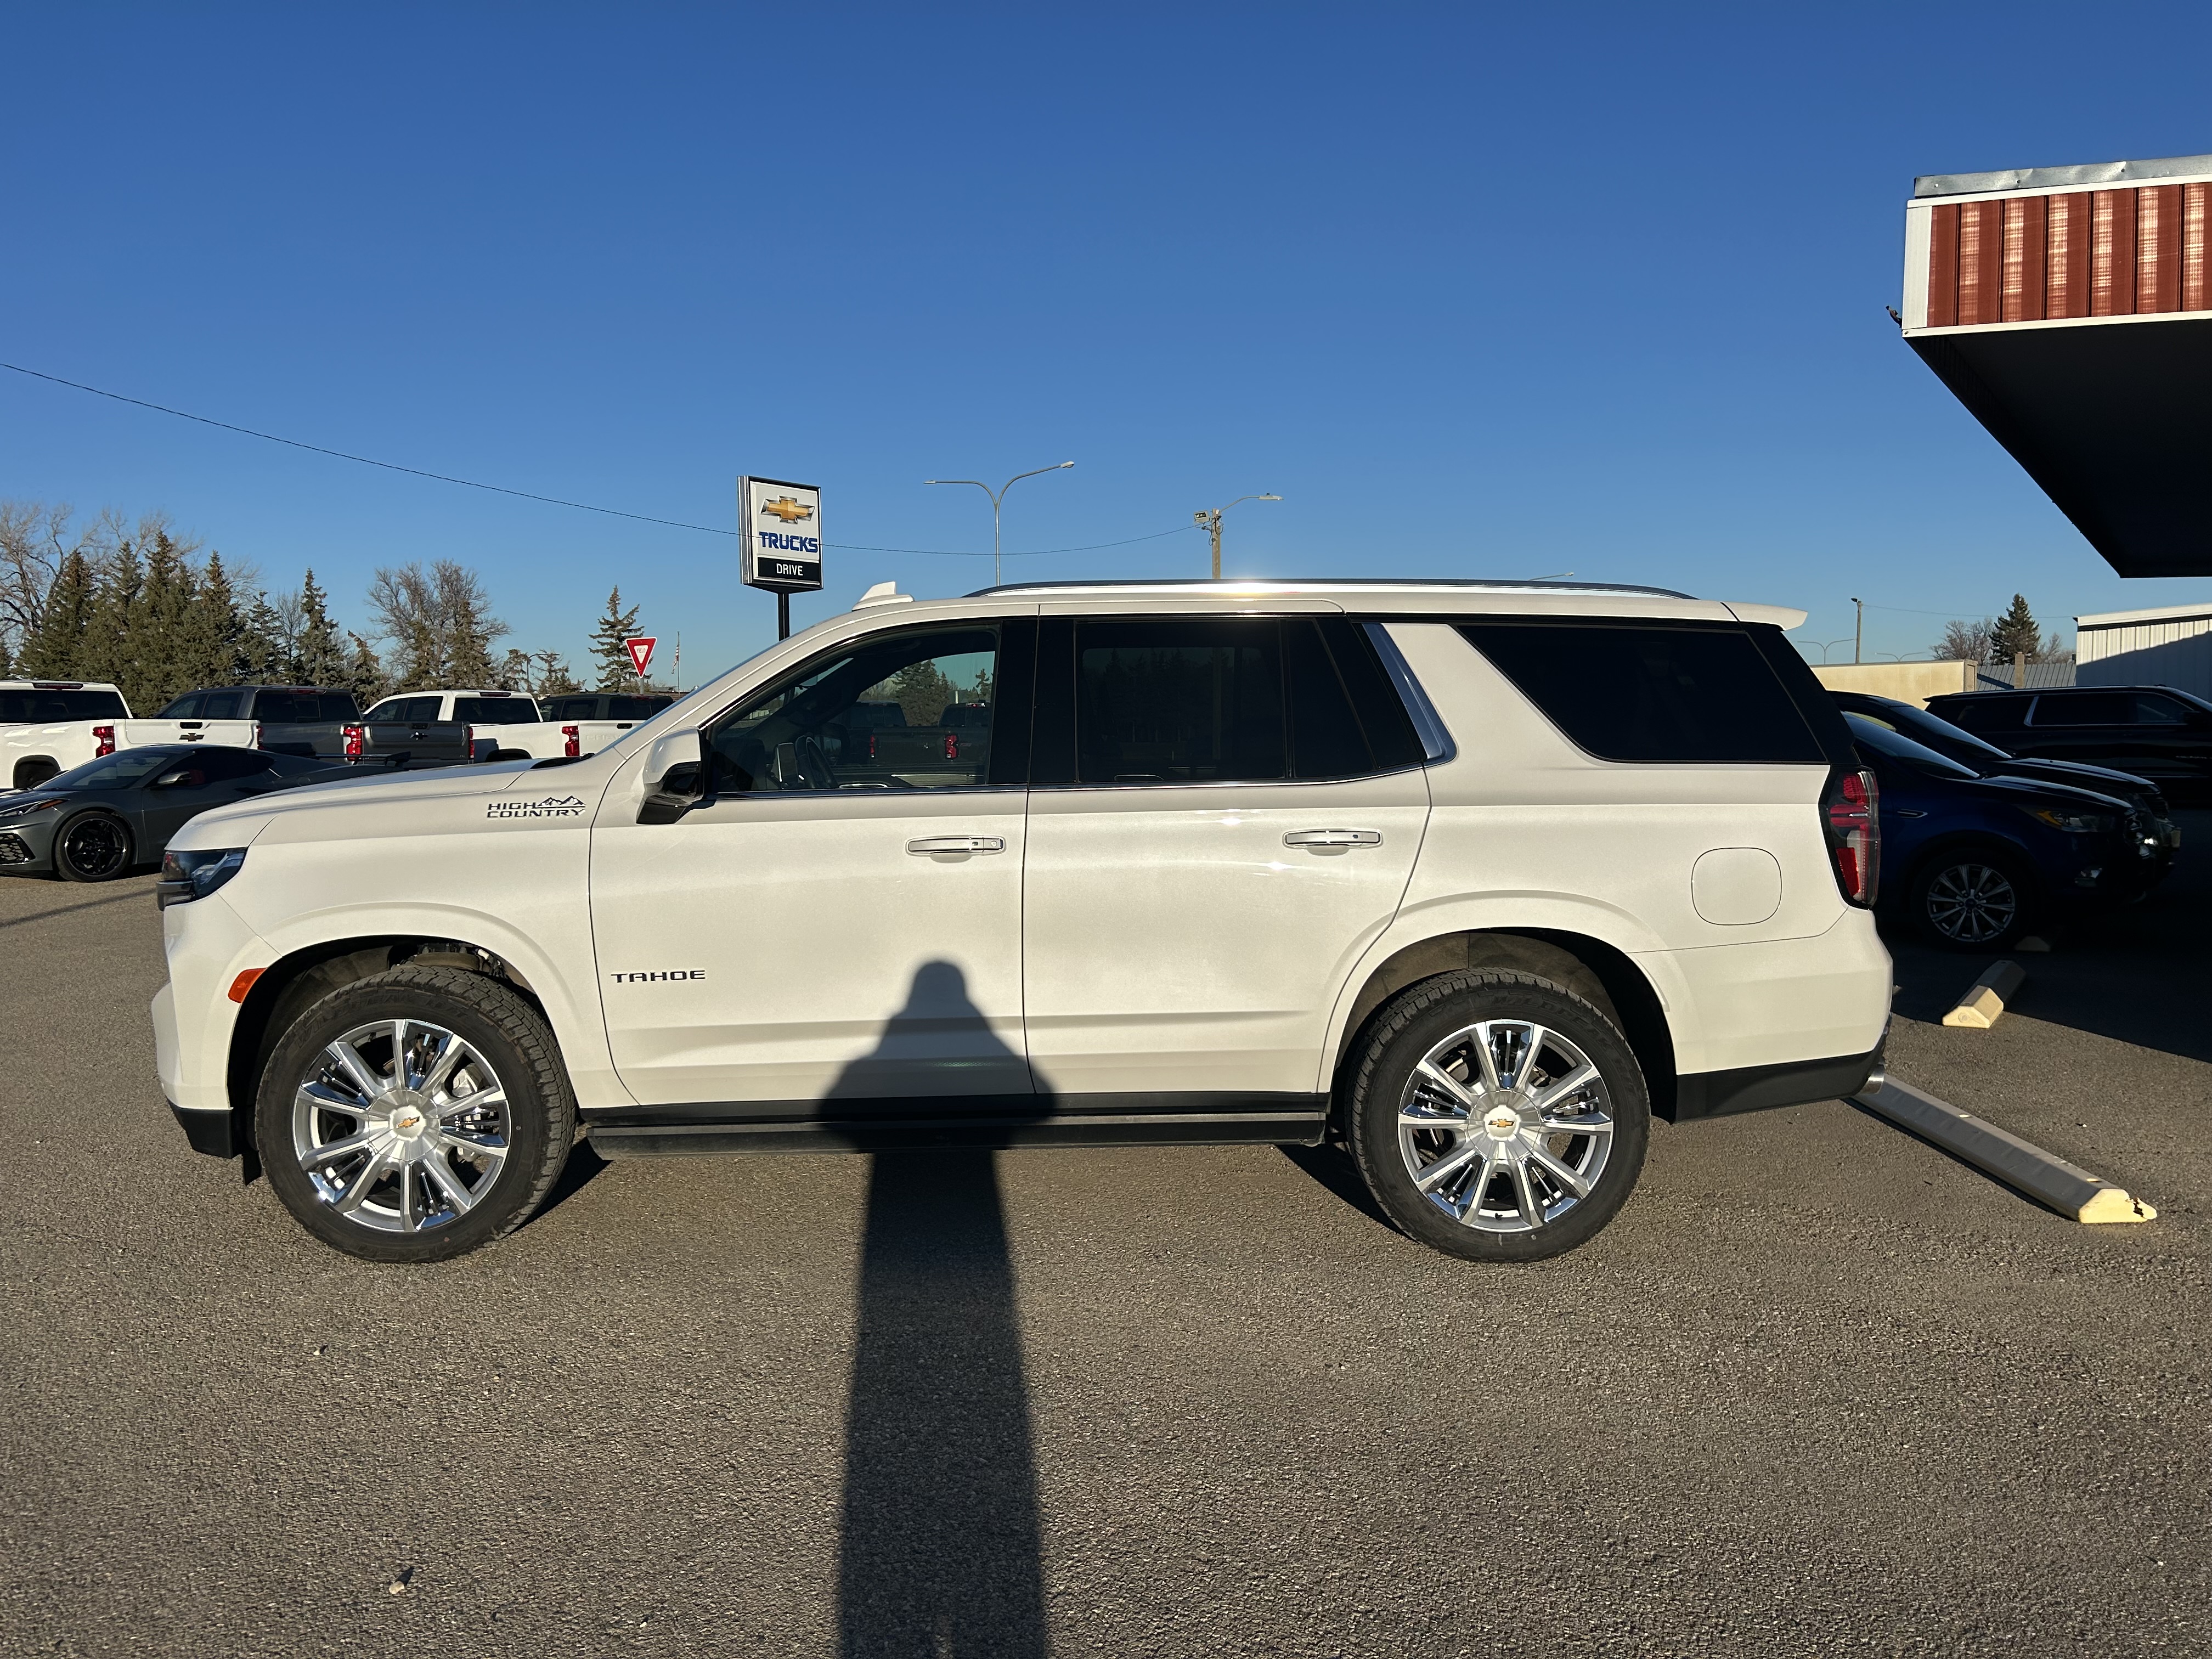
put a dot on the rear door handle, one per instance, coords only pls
(1333, 838)
(929, 844)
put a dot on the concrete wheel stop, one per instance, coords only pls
(2020, 1165)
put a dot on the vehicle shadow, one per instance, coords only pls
(940, 1544)
(583, 1167)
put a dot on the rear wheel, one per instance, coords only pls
(414, 1116)
(1971, 900)
(1498, 1116)
(93, 847)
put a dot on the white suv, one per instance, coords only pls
(1472, 878)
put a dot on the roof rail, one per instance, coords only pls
(1337, 582)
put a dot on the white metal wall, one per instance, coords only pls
(2174, 651)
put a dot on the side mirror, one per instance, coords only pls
(675, 776)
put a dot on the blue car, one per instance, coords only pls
(1973, 862)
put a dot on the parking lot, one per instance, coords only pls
(1820, 1387)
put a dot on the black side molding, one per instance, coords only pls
(1001, 1120)
(1761, 1088)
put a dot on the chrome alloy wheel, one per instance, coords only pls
(1971, 902)
(1504, 1125)
(401, 1125)
(95, 846)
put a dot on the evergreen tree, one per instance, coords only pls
(617, 671)
(550, 677)
(264, 656)
(109, 647)
(362, 674)
(211, 646)
(321, 655)
(56, 650)
(2015, 632)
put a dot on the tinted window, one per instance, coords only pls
(1326, 739)
(1691, 693)
(1190, 700)
(826, 727)
(339, 706)
(571, 708)
(496, 711)
(207, 766)
(222, 705)
(2152, 710)
(1985, 713)
(186, 708)
(115, 771)
(2086, 708)
(287, 708)
(25, 706)
(635, 708)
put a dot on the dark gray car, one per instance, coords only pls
(94, 821)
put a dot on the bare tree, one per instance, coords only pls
(436, 623)
(1963, 641)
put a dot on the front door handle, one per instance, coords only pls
(1333, 838)
(929, 844)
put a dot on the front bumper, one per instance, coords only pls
(26, 849)
(214, 1134)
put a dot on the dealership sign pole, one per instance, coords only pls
(780, 541)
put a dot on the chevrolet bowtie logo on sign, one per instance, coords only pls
(780, 524)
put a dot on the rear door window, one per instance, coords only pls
(2152, 710)
(1686, 693)
(1982, 713)
(1180, 699)
(222, 705)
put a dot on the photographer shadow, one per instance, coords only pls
(940, 1548)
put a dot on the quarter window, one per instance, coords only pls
(900, 711)
(2086, 708)
(1692, 694)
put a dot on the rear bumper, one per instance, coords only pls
(1760, 1088)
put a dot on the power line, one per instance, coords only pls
(553, 500)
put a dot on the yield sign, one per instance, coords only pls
(640, 652)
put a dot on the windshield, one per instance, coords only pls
(1873, 734)
(116, 771)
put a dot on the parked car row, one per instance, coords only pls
(50, 727)
(1983, 845)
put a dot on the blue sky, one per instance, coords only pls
(1478, 293)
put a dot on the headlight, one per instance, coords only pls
(9, 811)
(2073, 823)
(189, 876)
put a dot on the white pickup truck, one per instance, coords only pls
(581, 723)
(48, 726)
(513, 726)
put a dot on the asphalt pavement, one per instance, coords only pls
(1820, 1389)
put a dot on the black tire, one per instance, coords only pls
(525, 1062)
(92, 846)
(1406, 1032)
(30, 774)
(1972, 898)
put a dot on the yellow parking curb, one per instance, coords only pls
(2066, 1187)
(1986, 997)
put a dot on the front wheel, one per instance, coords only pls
(1498, 1116)
(95, 846)
(414, 1116)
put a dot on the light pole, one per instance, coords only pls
(1212, 520)
(998, 575)
(1858, 630)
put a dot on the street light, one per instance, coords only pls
(1212, 520)
(997, 574)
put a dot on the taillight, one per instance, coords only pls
(469, 735)
(952, 745)
(356, 740)
(104, 736)
(872, 746)
(571, 741)
(1852, 814)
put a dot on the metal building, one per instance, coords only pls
(2069, 309)
(2171, 646)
